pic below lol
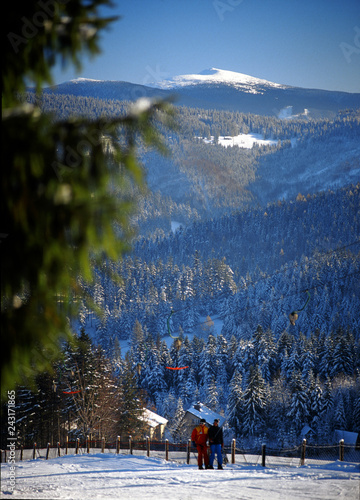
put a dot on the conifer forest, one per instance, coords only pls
(244, 268)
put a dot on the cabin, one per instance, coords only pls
(350, 438)
(195, 413)
(307, 433)
(155, 425)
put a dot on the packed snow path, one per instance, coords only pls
(107, 476)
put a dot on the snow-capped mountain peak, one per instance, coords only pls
(217, 76)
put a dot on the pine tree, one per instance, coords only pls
(189, 388)
(315, 394)
(57, 197)
(235, 403)
(176, 427)
(212, 395)
(339, 417)
(298, 412)
(89, 383)
(342, 360)
(254, 403)
(132, 403)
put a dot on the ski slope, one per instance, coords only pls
(109, 476)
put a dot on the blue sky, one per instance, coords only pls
(305, 43)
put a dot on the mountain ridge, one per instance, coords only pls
(241, 81)
(222, 90)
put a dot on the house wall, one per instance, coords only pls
(190, 421)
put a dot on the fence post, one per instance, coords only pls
(58, 447)
(47, 451)
(130, 445)
(87, 444)
(303, 452)
(103, 444)
(21, 452)
(166, 449)
(188, 452)
(77, 446)
(233, 445)
(118, 445)
(67, 445)
(341, 450)
(147, 446)
(34, 451)
(263, 454)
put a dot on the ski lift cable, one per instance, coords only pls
(293, 314)
(306, 290)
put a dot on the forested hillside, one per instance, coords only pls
(262, 230)
(251, 267)
(201, 179)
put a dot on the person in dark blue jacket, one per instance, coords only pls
(215, 435)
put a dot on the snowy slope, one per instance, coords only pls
(109, 476)
(229, 90)
(240, 81)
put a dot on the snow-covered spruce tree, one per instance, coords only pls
(91, 390)
(189, 388)
(155, 380)
(298, 412)
(212, 395)
(315, 394)
(277, 423)
(131, 405)
(324, 427)
(356, 414)
(178, 432)
(234, 408)
(264, 348)
(339, 416)
(208, 361)
(343, 355)
(254, 404)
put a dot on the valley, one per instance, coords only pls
(245, 215)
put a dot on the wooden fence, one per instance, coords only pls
(184, 452)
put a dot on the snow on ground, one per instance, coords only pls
(109, 476)
(175, 226)
(218, 324)
(246, 141)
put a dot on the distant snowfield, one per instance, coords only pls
(175, 226)
(246, 141)
(109, 476)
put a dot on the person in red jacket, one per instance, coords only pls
(199, 437)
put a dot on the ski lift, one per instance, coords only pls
(293, 316)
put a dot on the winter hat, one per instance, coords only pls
(203, 421)
(216, 420)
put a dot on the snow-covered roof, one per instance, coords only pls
(305, 430)
(201, 411)
(152, 419)
(347, 436)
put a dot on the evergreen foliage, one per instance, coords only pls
(67, 186)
